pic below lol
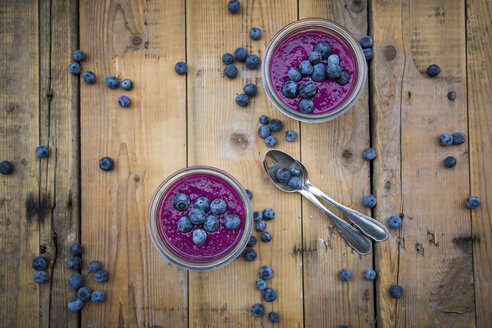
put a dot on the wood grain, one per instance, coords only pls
(332, 152)
(224, 135)
(140, 41)
(479, 64)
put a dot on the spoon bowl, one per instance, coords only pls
(275, 160)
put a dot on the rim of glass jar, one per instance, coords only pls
(154, 229)
(356, 49)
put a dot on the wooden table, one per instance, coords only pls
(442, 256)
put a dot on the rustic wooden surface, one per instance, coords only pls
(442, 256)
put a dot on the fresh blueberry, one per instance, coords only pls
(396, 291)
(294, 74)
(75, 263)
(42, 151)
(345, 275)
(271, 141)
(106, 163)
(250, 89)
(273, 317)
(323, 48)
(98, 296)
(126, 84)
(255, 33)
(252, 241)
(124, 101)
(307, 90)
(234, 6)
(333, 71)
(459, 138)
(181, 202)
(95, 266)
(266, 237)
(275, 125)
(295, 172)
(241, 54)
(181, 68)
(257, 310)
(449, 161)
(369, 154)
(230, 71)
(112, 82)
(39, 263)
(268, 214)
(257, 216)
(40, 277)
(75, 305)
(370, 274)
(343, 79)
(184, 224)
(290, 135)
(306, 68)
(242, 99)
(89, 77)
(368, 53)
(77, 250)
(252, 61)
(333, 60)
(366, 41)
(315, 57)
(263, 131)
(101, 276)
(264, 119)
(202, 203)
(369, 201)
(319, 72)
(433, 70)
(79, 55)
(394, 222)
(261, 284)
(306, 106)
(232, 221)
(250, 194)
(269, 294)
(228, 58)
(211, 223)
(295, 182)
(84, 294)
(266, 272)
(283, 175)
(74, 68)
(250, 255)
(451, 95)
(289, 89)
(473, 202)
(197, 216)
(218, 206)
(76, 281)
(261, 226)
(446, 139)
(6, 167)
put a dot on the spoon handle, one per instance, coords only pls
(352, 236)
(371, 227)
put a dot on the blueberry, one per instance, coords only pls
(228, 58)
(197, 216)
(255, 33)
(369, 154)
(257, 310)
(295, 183)
(396, 291)
(273, 317)
(266, 237)
(6, 167)
(75, 305)
(370, 274)
(95, 266)
(275, 125)
(473, 202)
(433, 70)
(266, 272)
(446, 139)
(369, 201)
(307, 90)
(79, 55)
(345, 275)
(283, 175)
(89, 77)
(242, 99)
(263, 131)
(261, 226)
(269, 294)
(343, 79)
(366, 41)
(126, 84)
(252, 241)
(250, 194)
(250, 255)
(240, 54)
(77, 250)
(202, 203)
(181, 202)
(306, 68)
(449, 161)
(343, 326)
(394, 222)
(232, 221)
(74, 68)
(257, 216)
(211, 223)
(39, 263)
(250, 89)
(451, 95)
(290, 135)
(271, 141)
(106, 163)
(234, 6)
(124, 101)
(261, 284)
(333, 60)
(319, 72)
(76, 281)
(42, 151)
(295, 172)
(112, 82)
(40, 277)
(101, 276)
(315, 58)
(368, 53)
(230, 71)
(289, 89)
(252, 61)
(181, 68)
(333, 71)
(459, 138)
(84, 294)
(306, 106)
(184, 224)
(294, 74)
(98, 296)
(323, 48)
(268, 214)
(264, 119)
(218, 206)
(75, 263)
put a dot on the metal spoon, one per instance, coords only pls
(275, 160)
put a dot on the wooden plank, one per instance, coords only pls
(332, 152)
(479, 64)
(229, 141)
(141, 41)
(431, 263)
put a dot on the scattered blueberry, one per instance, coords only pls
(283, 175)
(451, 95)
(124, 101)
(269, 294)
(74, 68)
(218, 206)
(75, 263)
(84, 294)
(6, 167)
(112, 82)
(40, 277)
(344, 78)
(266, 272)
(76, 281)
(315, 57)
(369, 201)
(266, 237)
(369, 154)
(89, 77)
(252, 61)
(232, 221)
(264, 119)
(366, 41)
(42, 151)
(449, 161)
(126, 84)
(396, 291)
(368, 53)
(290, 135)
(319, 72)
(181, 68)
(268, 214)
(257, 310)
(473, 202)
(250, 255)
(228, 58)
(345, 275)
(394, 222)
(295, 172)
(273, 317)
(257, 216)
(333, 60)
(459, 138)
(197, 216)
(79, 55)
(101, 276)
(289, 89)
(242, 99)
(263, 131)
(307, 90)
(39, 263)
(306, 68)
(446, 139)
(234, 6)
(343, 326)
(323, 48)
(181, 202)
(98, 296)
(261, 226)
(433, 70)
(211, 223)
(294, 74)
(261, 284)
(106, 163)
(370, 274)
(241, 54)
(306, 106)
(255, 33)
(75, 305)
(295, 183)
(250, 89)
(202, 203)
(333, 71)
(230, 71)
(271, 141)
(184, 224)
(77, 250)
(252, 241)
(95, 266)
(275, 125)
